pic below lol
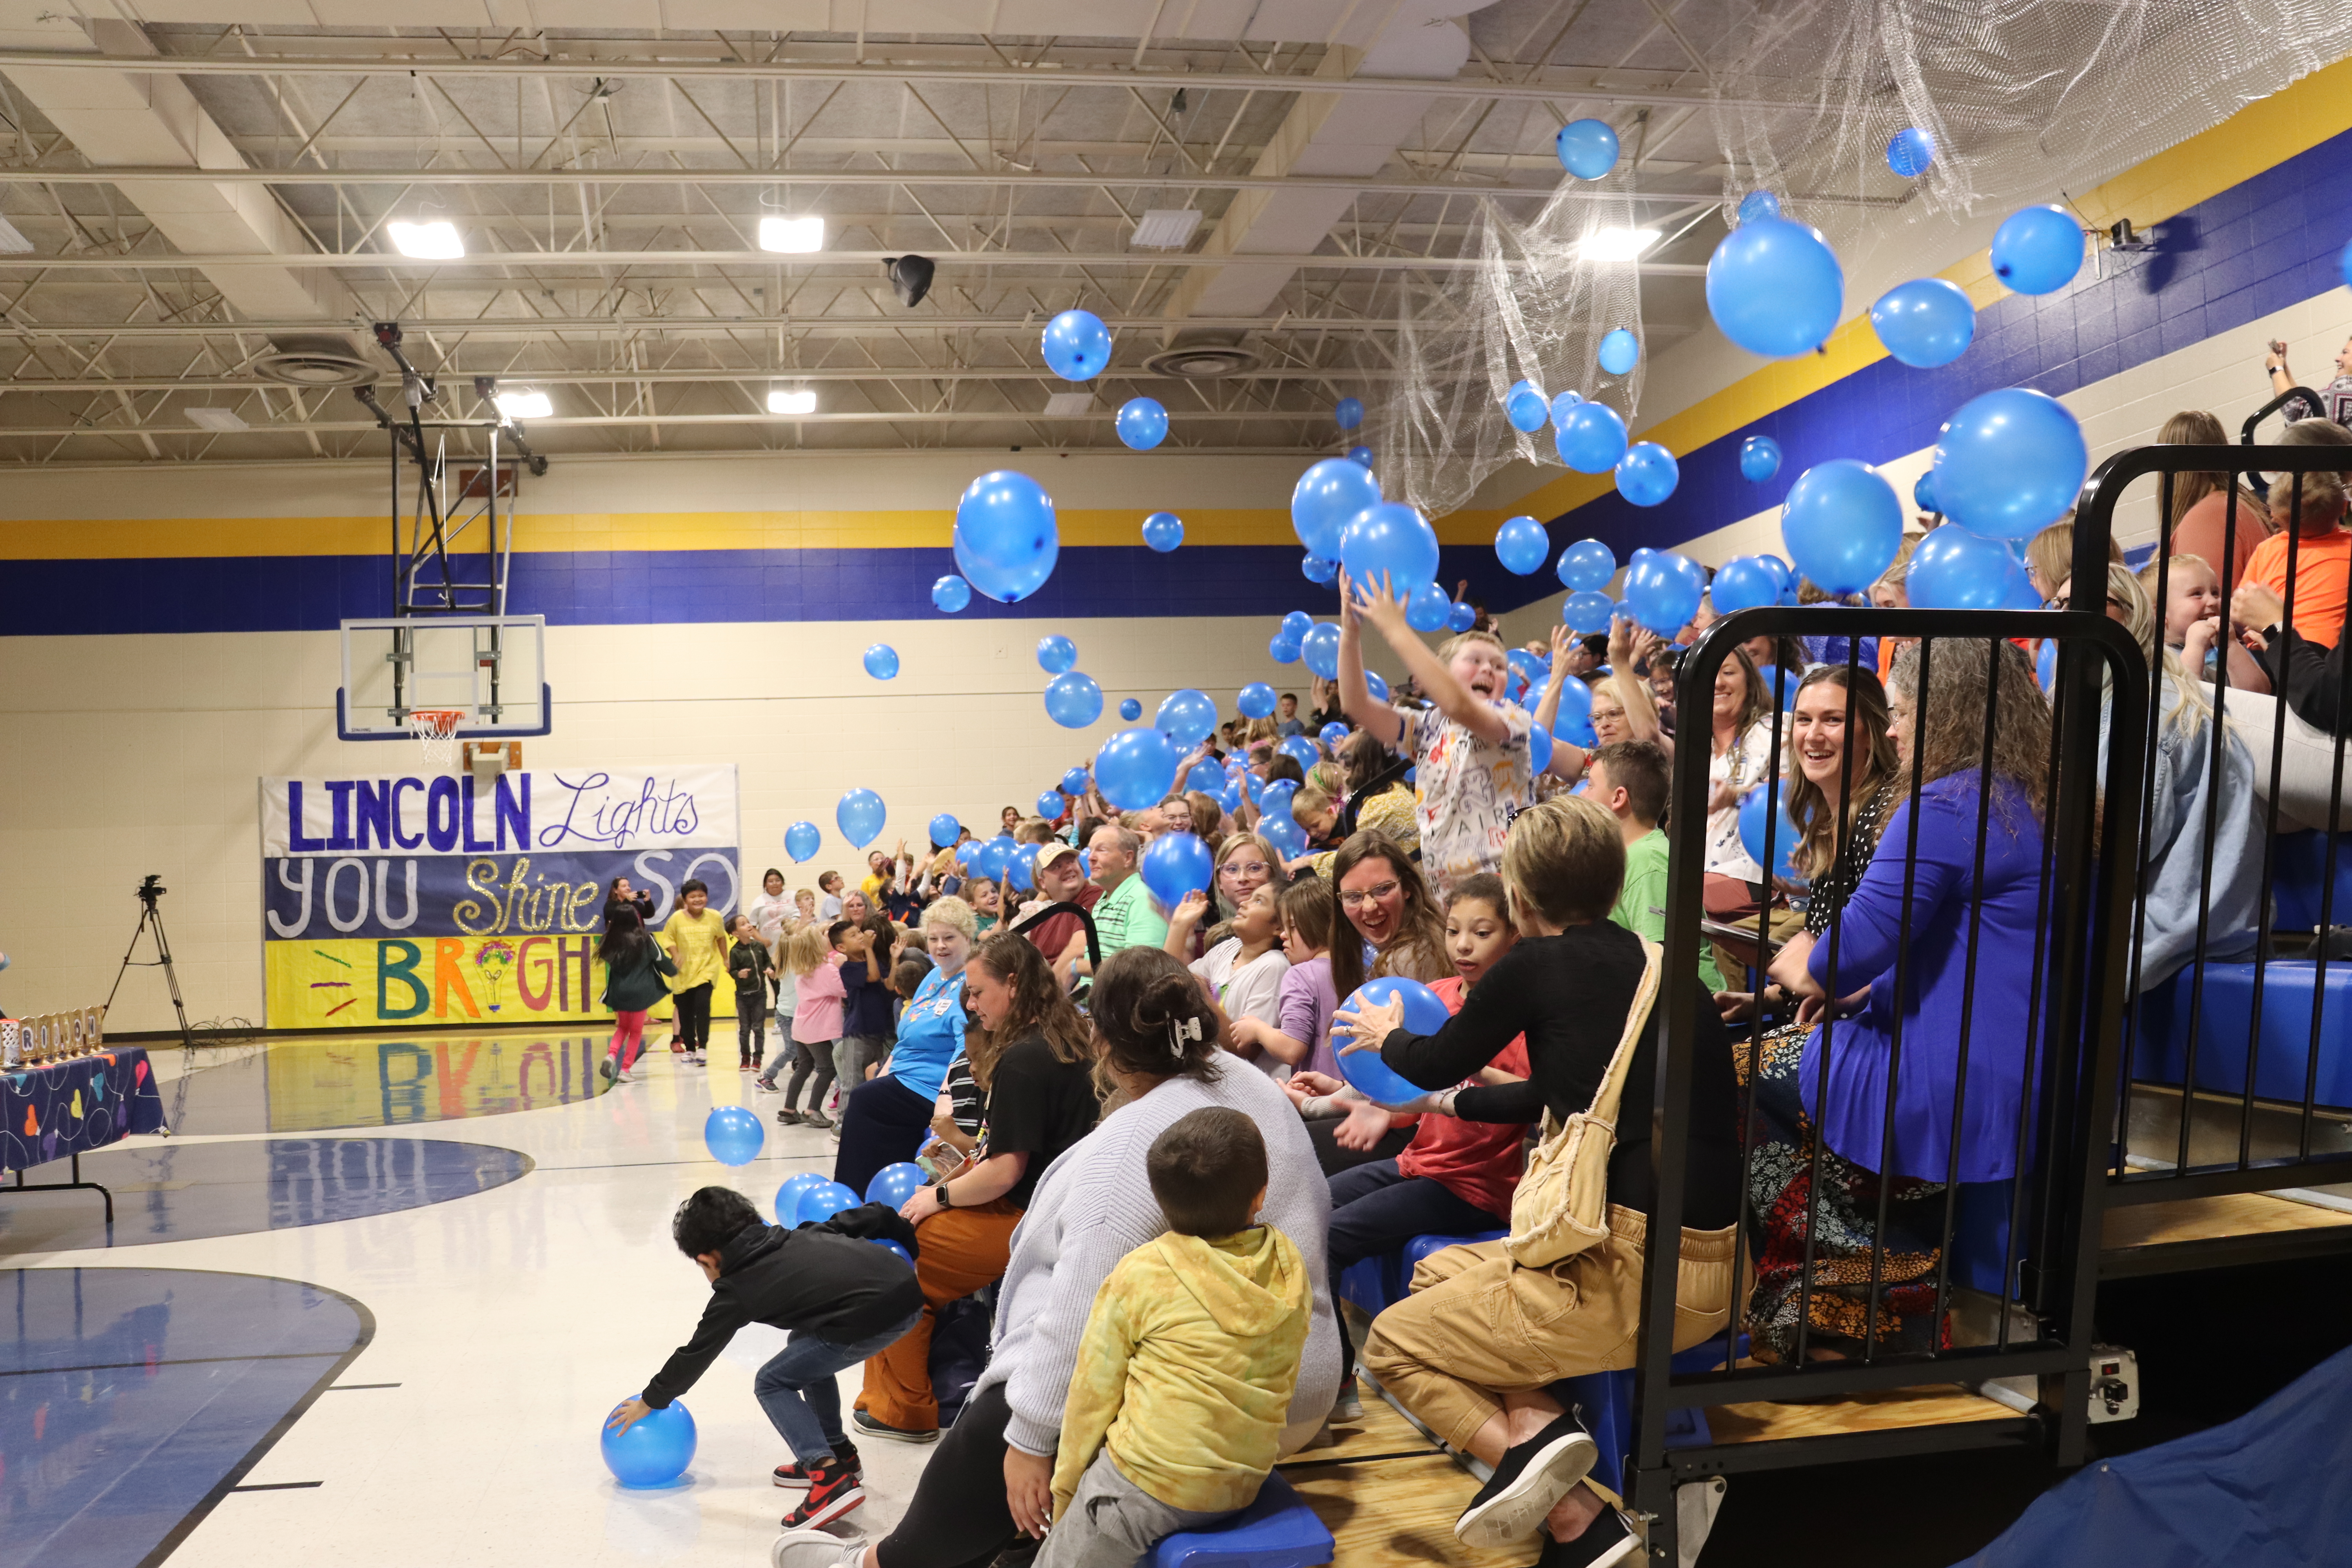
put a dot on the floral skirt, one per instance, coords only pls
(1844, 1218)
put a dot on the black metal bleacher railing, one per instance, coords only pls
(2036, 1325)
(2238, 1072)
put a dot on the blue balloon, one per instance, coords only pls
(1005, 536)
(1206, 777)
(1163, 531)
(1757, 206)
(733, 1135)
(2344, 264)
(1780, 686)
(1428, 609)
(944, 828)
(1393, 539)
(1842, 523)
(1526, 408)
(950, 594)
(1782, 576)
(1076, 345)
(968, 854)
(1297, 624)
(1621, 351)
(860, 816)
(1188, 714)
(1376, 686)
(1954, 569)
(1586, 148)
(1348, 413)
(1925, 323)
(1051, 804)
(1463, 617)
(1911, 152)
(1424, 1014)
(1759, 458)
(820, 1203)
(654, 1451)
(1319, 569)
(1275, 799)
(1775, 288)
(1299, 749)
(1137, 768)
(1073, 700)
(1283, 649)
(2038, 251)
(1331, 734)
(995, 855)
(888, 1245)
(1665, 591)
(1592, 438)
(1142, 423)
(1256, 700)
(1539, 744)
(1130, 710)
(1647, 473)
(2010, 463)
(801, 841)
(2045, 665)
(1074, 782)
(1755, 816)
(1521, 545)
(1289, 839)
(1326, 496)
(1923, 492)
(1363, 454)
(1575, 711)
(788, 1196)
(893, 1184)
(1742, 583)
(1562, 405)
(1177, 864)
(1056, 653)
(1320, 648)
(1586, 565)
(882, 661)
(1585, 611)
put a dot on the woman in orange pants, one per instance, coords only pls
(1028, 1052)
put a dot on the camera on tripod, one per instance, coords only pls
(151, 889)
(149, 893)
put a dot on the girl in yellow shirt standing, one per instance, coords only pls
(695, 936)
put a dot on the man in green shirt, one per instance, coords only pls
(1126, 916)
(1630, 778)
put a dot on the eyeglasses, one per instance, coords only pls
(1369, 896)
(1247, 869)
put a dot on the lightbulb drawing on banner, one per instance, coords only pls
(494, 958)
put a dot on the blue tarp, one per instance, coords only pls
(2267, 1491)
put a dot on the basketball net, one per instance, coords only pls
(435, 729)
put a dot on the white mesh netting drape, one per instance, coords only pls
(2025, 100)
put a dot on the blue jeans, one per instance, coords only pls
(796, 1388)
(1376, 1208)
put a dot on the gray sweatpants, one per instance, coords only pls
(1112, 1522)
(853, 1054)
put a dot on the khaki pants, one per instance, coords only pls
(1477, 1326)
(962, 1251)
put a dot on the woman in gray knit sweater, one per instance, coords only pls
(990, 1481)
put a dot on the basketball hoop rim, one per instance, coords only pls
(441, 723)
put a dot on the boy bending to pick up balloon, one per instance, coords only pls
(841, 1298)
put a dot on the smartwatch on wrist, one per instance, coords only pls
(940, 1196)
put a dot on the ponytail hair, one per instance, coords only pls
(1150, 1018)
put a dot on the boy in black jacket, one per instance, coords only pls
(842, 1299)
(751, 965)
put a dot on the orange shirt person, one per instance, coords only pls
(2323, 558)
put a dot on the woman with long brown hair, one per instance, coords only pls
(1391, 925)
(1027, 1048)
(2199, 521)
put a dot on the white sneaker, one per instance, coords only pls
(815, 1549)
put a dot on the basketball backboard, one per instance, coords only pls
(492, 667)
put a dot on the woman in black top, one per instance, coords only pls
(1028, 1049)
(621, 896)
(1473, 1351)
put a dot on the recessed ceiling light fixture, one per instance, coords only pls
(1166, 228)
(792, 235)
(433, 241)
(524, 402)
(219, 421)
(1069, 405)
(792, 400)
(1620, 244)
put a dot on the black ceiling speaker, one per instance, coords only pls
(912, 277)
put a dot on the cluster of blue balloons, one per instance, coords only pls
(1286, 646)
(1775, 288)
(1142, 423)
(1842, 523)
(1750, 582)
(1006, 539)
(1328, 497)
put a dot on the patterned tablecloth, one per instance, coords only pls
(73, 1107)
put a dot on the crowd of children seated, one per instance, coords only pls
(1142, 1132)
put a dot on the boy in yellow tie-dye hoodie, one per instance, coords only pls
(1185, 1372)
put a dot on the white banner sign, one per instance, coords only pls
(556, 811)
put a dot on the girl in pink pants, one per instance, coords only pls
(633, 966)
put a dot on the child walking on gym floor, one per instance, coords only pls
(633, 966)
(1185, 1372)
(749, 963)
(814, 959)
(696, 939)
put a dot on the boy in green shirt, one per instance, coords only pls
(1629, 777)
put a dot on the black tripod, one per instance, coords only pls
(151, 917)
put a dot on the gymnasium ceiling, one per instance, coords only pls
(203, 190)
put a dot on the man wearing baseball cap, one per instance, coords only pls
(1061, 879)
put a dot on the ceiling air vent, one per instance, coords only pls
(1069, 405)
(1201, 362)
(325, 360)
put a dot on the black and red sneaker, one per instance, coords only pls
(796, 1476)
(834, 1488)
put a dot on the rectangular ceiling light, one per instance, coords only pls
(1620, 244)
(12, 241)
(792, 235)
(220, 421)
(1166, 228)
(1069, 405)
(524, 403)
(433, 241)
(792, 400)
